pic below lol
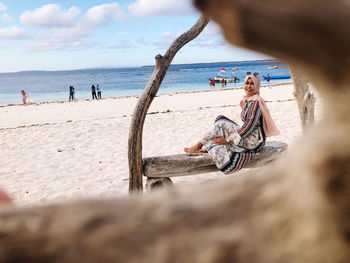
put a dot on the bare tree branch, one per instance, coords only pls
(144, 102)
(305, 99)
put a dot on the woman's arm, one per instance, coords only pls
(252, 117)
(220, 141)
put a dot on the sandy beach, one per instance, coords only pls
(59, 151)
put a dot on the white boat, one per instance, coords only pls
(219, 79)
(228, 79)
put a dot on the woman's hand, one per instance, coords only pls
(220, 141)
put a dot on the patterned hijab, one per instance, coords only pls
(269, 126)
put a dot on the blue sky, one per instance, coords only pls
(63, 35)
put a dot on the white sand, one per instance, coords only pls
(53, 152)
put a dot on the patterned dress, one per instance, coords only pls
(243, 142)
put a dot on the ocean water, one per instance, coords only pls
(54, 85)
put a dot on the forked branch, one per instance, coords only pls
(144, 102)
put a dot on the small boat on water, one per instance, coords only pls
(228, 79)
(272, 67)
(278, 77)
(218, 79)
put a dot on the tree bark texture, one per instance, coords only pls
(145, 100)
(305, 99)
(296, 210)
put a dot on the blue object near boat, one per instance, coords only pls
(278, 77)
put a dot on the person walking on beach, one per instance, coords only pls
(99, 91)
(24, 97)
(231, 146)
(93, 91)
(71, 93)
(268, 78)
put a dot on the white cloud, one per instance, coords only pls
(146, 8)
(51, 16)
(101, 15)
(212, 29)
(167, 39)
(69, 34)
(12, 32)
(62, 39)
(53, 45)
(3, 7)
(7, 18)
(66, 31)
(124, 44)
(73, 33)
(2, 46)
(211, 37)
(141, 41)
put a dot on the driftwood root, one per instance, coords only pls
(155, 183)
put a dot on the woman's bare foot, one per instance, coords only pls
(203, 150)
(197, 148)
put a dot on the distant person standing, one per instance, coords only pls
(99, 91)
(24, 97)
(268, 77)
(28, 98)
(71, 93)
(222, 81)
(93, 91)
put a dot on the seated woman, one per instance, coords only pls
(232, 146)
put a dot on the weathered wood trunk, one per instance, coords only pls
(294, 211)
(158, 169)
(144, 102)
(305, 99)
(184, 164)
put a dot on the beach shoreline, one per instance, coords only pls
(219, 88)
(54, 152)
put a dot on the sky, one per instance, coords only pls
(68, 34)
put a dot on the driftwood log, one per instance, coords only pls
(305, 99)
(295, 211)
(185, 164)
(159, 169)
(145, 100)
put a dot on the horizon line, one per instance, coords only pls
(115, 67)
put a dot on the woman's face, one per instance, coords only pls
(249, 87)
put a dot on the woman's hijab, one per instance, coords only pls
(269, 126)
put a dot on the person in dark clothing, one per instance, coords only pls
(71, 93)
(268, 77)
(24, 98)
(93, 92)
